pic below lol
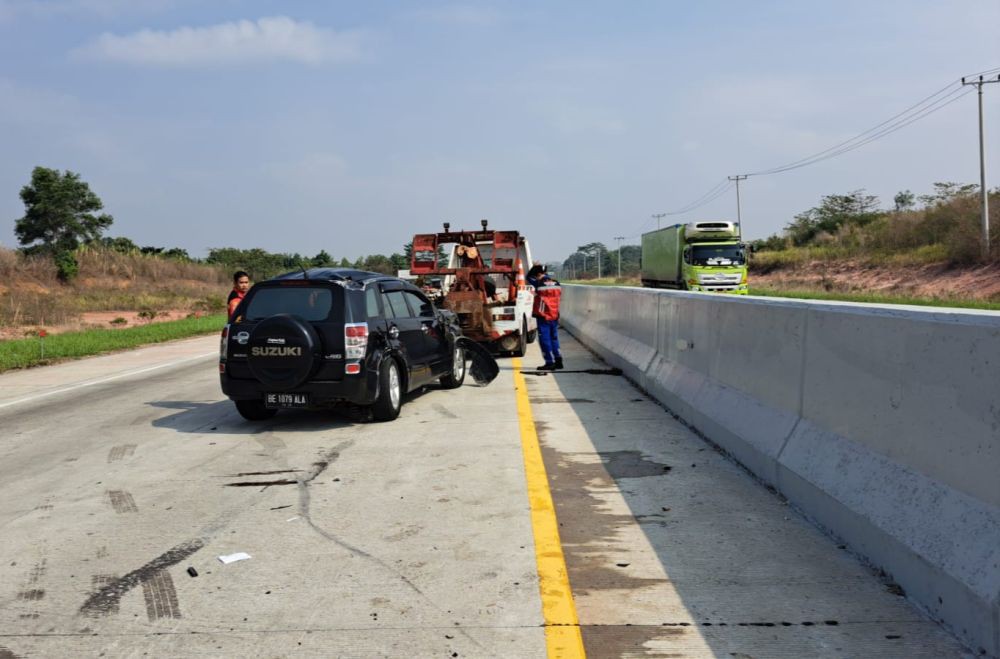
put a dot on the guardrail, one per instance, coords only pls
(881, 423)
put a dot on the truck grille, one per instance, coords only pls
(719, 279)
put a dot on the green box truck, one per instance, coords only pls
(699, 256)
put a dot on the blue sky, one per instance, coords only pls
(300, 126)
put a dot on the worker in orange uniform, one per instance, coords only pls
(546, 312)
(241, 284)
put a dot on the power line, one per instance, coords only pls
(711, 195)
(896, 122)
(928, 105)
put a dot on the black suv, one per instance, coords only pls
(320, 337)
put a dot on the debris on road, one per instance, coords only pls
(232, 558)
(193, 572)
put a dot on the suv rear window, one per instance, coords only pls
(308, 302)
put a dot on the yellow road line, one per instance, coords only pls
(562, 628)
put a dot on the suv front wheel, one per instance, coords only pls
(390, 392)
(456, 376)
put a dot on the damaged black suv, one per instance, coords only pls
(321, 337)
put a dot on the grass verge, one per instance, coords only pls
(833, 297)
(22, 353)
(877, 299)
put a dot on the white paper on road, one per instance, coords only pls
(232, 558)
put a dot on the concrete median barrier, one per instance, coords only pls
(880, 423)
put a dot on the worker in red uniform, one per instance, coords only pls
(546, 312)
(241, 284)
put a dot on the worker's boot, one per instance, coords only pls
(546, 367)
(558, 365)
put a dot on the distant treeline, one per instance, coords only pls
(945, 225)
(259, 263)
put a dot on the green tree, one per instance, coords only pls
(945, 191)
(119, 244)
(59, 213)
(904, 200)
(399, 262)
(834, 211)
(322, 260)
(588, 257)
(377, 263)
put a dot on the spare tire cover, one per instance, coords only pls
(283, 351)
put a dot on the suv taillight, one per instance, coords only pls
(355, 340)
(224, 343)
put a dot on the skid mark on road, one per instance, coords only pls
(31, 595)
(102, 601)
(122, 502)
(99, 581)
(160, 595)
(31, 590)
(121, 452)
(562, 627)
(444, 411)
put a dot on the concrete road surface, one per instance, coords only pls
(415, 538)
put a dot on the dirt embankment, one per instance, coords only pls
(934, 280)
(113, 290)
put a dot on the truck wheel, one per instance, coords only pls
(254, 410)
(522, 340)
(532, 335)
(390, 392)
(456, 376)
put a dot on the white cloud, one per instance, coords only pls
(272, 38)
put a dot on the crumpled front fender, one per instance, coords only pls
(484, 367)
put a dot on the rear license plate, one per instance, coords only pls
(284, 401)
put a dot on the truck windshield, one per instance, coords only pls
(717, 255)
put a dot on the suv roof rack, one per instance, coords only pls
(329, 274)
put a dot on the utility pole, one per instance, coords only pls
(739, 211)
(984, 195)
(619, 239)
(599, 261)
(658, 217)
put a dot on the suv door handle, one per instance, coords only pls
(393, 332)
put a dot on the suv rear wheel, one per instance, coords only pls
(456, 376)
(390, 392)
(254, 410)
